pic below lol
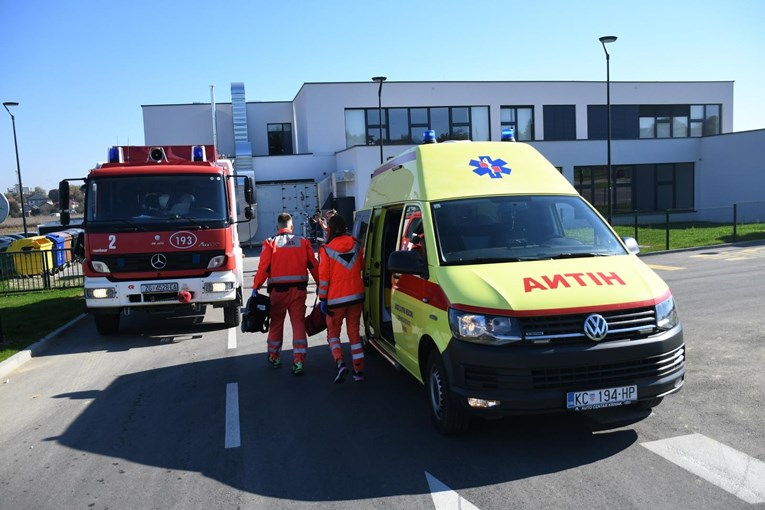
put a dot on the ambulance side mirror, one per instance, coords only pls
(631, 244)
(407, 262)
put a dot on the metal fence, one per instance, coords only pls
(22, 271)
(674, 228)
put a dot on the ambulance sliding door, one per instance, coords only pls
(381, 241)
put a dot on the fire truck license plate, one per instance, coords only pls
(595, 399)
(154, 288)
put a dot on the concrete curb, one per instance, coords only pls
(11, 364)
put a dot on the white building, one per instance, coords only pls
(672, 144)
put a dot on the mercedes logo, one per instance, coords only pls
(158, 261)
(595, 327)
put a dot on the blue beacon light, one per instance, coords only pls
(198, 153)
(508, 135)
(429, 136)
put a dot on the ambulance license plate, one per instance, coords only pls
(155, 288)
(596, 399)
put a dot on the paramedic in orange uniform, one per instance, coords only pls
(285, 261)
(341, 291)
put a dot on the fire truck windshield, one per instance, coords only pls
(157, 200)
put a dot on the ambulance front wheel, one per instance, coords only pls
(447, 414)
(107, 323)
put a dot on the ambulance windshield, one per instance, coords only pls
(157, 200)
(512, 228)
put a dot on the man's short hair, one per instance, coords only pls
(283, 220)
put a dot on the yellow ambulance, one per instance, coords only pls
(494, 283)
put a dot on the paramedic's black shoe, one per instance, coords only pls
(297, 368)
(275, 362)
(342, 371)
(358, 376)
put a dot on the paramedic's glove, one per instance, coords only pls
(323, 306)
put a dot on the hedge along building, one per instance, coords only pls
(673, 146)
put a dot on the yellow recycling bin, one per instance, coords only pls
(32, 255)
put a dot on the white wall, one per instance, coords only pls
(731, 168)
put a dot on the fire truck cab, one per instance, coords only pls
(160, 232)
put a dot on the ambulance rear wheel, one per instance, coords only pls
(107, 323)
(447, 414)
(231, 315)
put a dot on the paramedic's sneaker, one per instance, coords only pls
(358, 376)
(275, 362)
(297, 368)
(342, 371)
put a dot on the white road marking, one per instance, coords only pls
(233, 439)
(232, 338)
(444, 498)
(738, 473)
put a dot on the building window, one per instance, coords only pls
(521, 119)
(642, 188)
(279, 139)
(624, 122)
(679, 121)
(705, 119)
(404, 126)
(559, 122)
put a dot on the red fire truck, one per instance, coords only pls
(160, 232)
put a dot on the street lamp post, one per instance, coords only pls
(18, 166)
(380, 80)
(606, 39)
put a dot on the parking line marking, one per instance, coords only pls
(233, 438)
(736, 472)
(444, 498)
(665, 268)
(232, 338)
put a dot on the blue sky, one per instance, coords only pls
(82, 69)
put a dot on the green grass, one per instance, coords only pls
(27, 317)
(690, 234)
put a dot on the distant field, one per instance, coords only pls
(13, 225)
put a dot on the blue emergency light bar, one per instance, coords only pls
(508, 135)
(429, 136)
(198, 153)
(116, 155)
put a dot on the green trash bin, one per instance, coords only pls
(32, 256)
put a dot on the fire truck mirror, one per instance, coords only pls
(248, 212)
(63, 201)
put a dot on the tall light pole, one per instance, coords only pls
(380, 80)
(6, 104)
(606, 39)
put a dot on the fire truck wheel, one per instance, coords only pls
(447, 415)
(107, 324)
(231, 316)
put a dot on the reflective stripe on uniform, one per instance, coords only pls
(345, 299)
(288, 279)
(337, 256)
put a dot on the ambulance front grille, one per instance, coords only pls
(634, 323)
(575, 378)
(141, 262)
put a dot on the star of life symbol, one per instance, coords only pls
(485, 165)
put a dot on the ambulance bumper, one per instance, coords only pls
(530, 379)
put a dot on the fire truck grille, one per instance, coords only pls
(142, 262)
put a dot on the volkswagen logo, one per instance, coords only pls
(595, 327)
(158, 261)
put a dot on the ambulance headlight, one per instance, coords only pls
(484, 329)
(666, 314)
